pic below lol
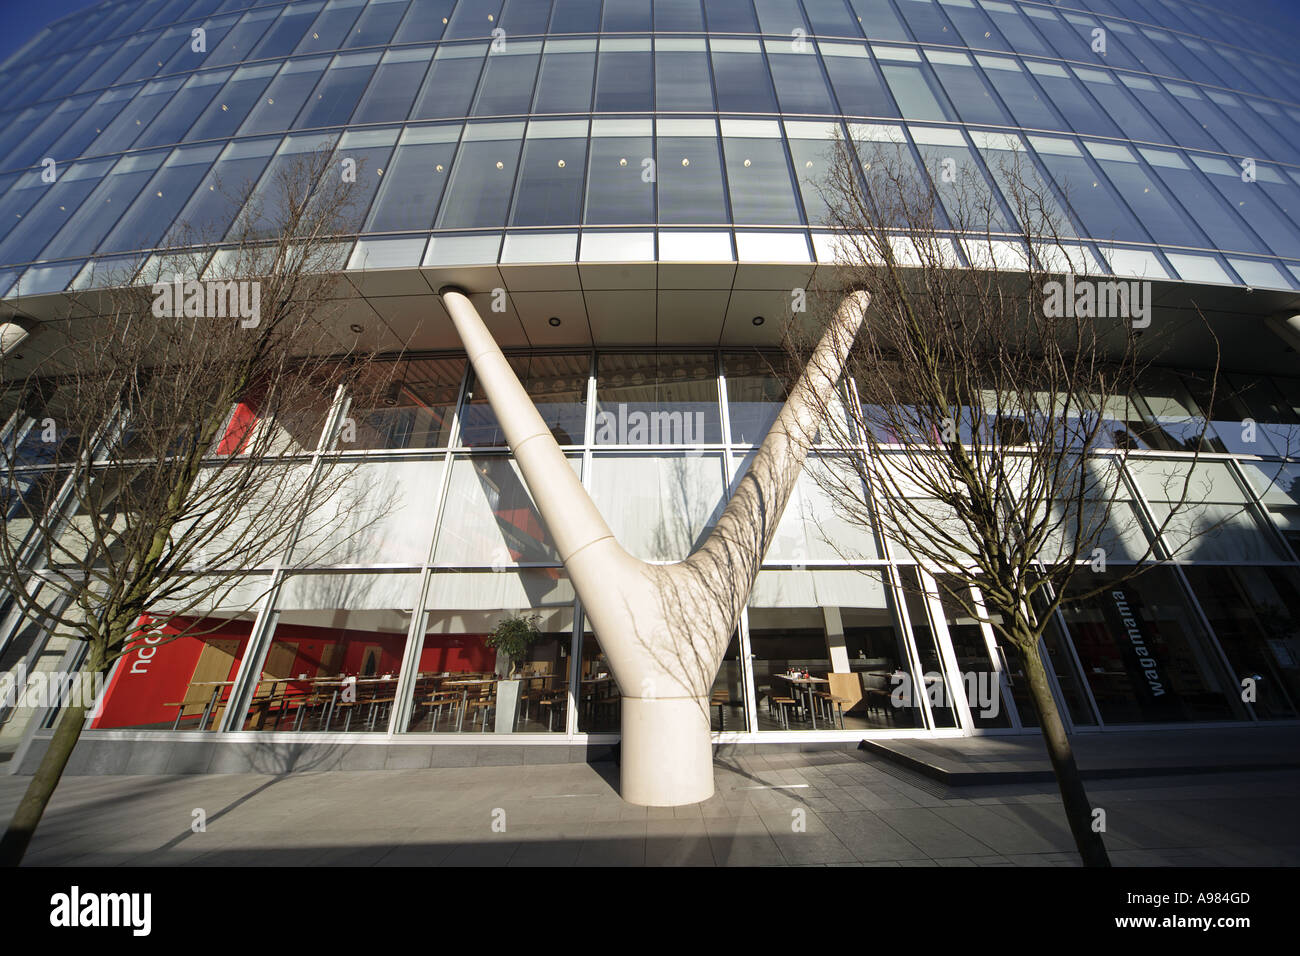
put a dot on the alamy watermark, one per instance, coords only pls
(209, 299)
(42, 690)
(622, 427)
(1098, 299)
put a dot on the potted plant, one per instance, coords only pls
(512, 636)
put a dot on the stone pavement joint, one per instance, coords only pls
(831, 809)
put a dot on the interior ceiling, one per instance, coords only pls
(709, 305)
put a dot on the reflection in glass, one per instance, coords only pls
(1253, 614)
(665, 399)
(334, 657)
(408, 404)
(463, 685)
(557, 384)
(1144, 655)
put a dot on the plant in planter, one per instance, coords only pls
(513, 636)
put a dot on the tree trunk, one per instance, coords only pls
(22, 827)
(28, 815)
(1078, 810)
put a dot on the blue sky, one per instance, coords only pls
(20, 19)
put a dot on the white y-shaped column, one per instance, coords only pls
(663, 628)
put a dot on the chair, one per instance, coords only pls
(842, 690)
(780, 703)
(482, 701)
(721, 699)
(552, 701)
(440, 700)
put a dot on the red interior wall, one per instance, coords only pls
(144, 682)
(456, 654)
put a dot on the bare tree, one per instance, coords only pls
(991, 418)
(175, 427)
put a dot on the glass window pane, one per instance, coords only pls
(620, 180)
(682, 80)
(1090, 195)
(337, 94)
(740, 73)
(978, 676)
(1163, 218)
(917, 92)
(483, 178)
(450, 85)
(550, 174)
(565, 82)
(424, 21)
(178, 115)
(159, 202)
(731, 16)
(812, 150)
(557, 385)
(414, 180)
(463, 685)
(376, 25)
(669, 399)
(243, 37)
(407, 404)
(626, 16)
(83, 231)
(397, 80)
(229, 108)
(683, 16)
(137, 114)
(780, 17)
(1144, 655)
(800, 85)
(474, 19)
(659, 506)
(179, 673)
(489, 519)
(967, 89)
(575, 16)
(857, 87)
(287, 30)
(758, 173)
(1027, 103)
(689, 172)
(507, 84)
(625, 77)
(598, 696)
(1253, 614)
(835, 627)
(378, 513)
(335, 654)
(276, 109)
(330, 28)
(216, 200)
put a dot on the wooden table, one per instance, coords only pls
(805, 687)
(464, 695)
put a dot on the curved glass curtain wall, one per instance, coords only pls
(399, 595)
(580, 114)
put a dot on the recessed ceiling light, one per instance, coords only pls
(759, 320)
(554, 320)
(357, 327)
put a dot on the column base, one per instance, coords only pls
(666, 754)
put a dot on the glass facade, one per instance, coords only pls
(557, 134)
(648, 113)
(385, 630)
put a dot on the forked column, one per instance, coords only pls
(664, 628)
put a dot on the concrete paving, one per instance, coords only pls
(962, 761)
(829, 808)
